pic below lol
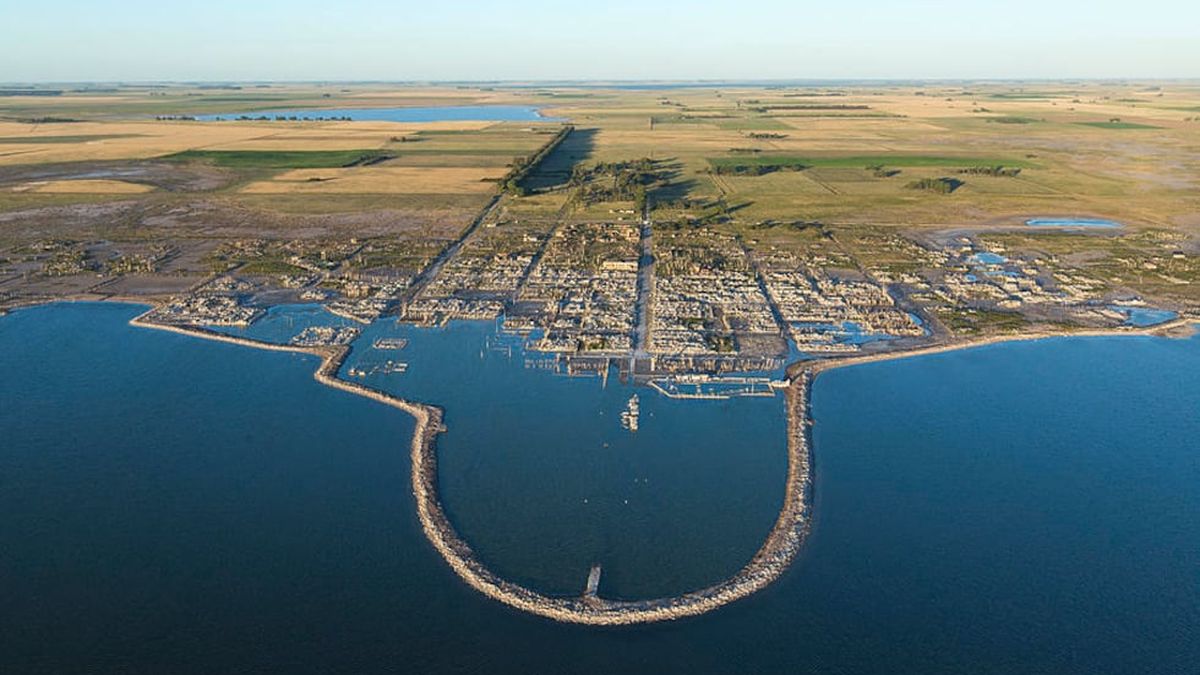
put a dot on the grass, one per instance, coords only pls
(864, 161)
(1117, 125)
(17, 201)
(381, 180)
(974, 322)
(39, 140)
(1012, 119)
(752, 124)
(1029, 96)
(265, 267)
(280, 159)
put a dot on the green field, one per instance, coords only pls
(1012, 119)
(280, 159)
(1118, 125)
(865, 161)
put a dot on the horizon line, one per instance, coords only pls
(521, 82)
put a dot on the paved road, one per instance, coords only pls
(431, 270)
(645, 290)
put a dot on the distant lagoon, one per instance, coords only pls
(450, 113)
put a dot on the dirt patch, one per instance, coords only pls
(160, 175)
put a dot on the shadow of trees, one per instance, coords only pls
(555, 170)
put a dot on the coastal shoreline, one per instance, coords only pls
(773, 558)
(1166, 329)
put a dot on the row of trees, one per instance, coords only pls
(998, 171)
(755, 168)
(939, 185)
(616, 181)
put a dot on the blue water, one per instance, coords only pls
(847, 332)
(487, 113)
(538, 474)
(988, 258)
(1073, 223)
(1146, 316)
(175, 505)
(283, 322)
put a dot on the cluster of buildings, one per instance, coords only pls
(324, 336)
(705, 312)
(709, 303)
(145, 261)
(824, 314)
(370, 303)
(481, 281)
(582, 293)
(706, 298)
(579, 310)
(207, 310)
(980, 277)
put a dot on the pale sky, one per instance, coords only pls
(137, 40)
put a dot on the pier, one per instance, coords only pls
(715, 388)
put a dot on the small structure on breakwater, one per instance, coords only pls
(593, 582)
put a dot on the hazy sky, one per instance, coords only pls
(75, 40)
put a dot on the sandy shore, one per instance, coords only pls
(1181, 326)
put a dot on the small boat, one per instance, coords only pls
(390, 343)
(629, 417)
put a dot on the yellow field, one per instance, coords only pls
(83, 186)
(144, 140)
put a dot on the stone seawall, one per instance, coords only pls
(771, 560)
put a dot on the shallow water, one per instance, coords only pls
(177, 505)
(1143, 317)
(1073, 223)
(283, 322)
(988, 258)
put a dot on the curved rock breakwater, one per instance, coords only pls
(771, 560)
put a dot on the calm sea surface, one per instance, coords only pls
(169, 504)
